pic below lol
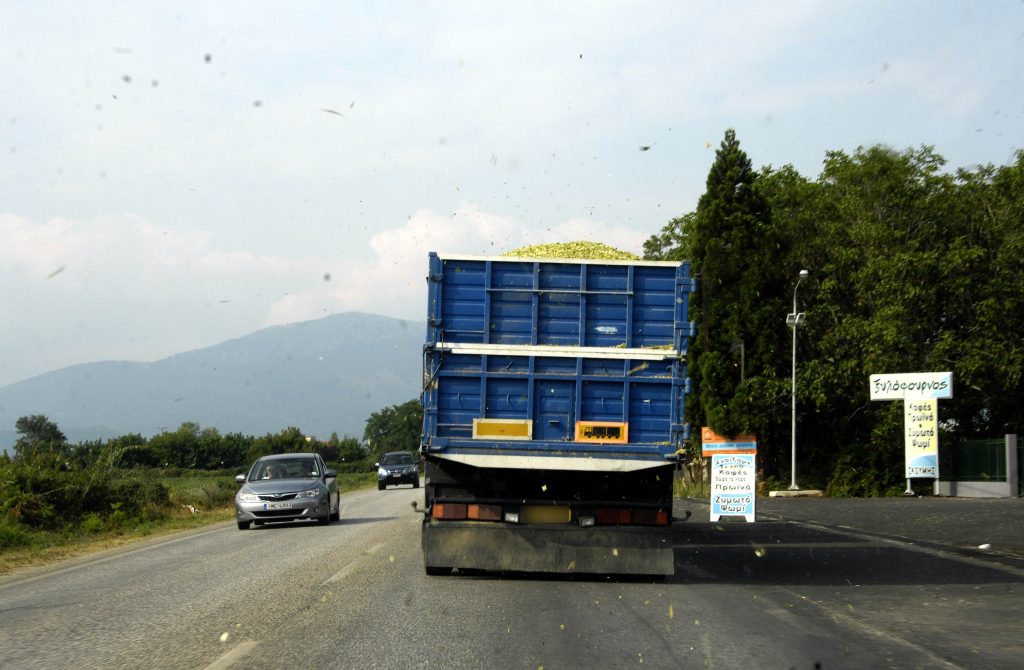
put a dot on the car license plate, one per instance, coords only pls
(395, 474)
(283, 505)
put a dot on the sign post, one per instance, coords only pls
(920, 393)
(733, 474)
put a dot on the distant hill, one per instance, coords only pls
(320, 376)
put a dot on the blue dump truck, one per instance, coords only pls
(553, 413)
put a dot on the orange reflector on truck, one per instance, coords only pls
(545, 514)
(484, 512)
(448, 511)
(614, 432)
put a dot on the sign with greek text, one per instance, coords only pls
(713, 443)
(911, 385)
(921, 424)
(733, 486)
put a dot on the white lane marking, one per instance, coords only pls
(341, 574)
(240, 651)
(911, 544)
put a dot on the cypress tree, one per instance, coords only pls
(738, 358)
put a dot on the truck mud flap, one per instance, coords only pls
(554, 549)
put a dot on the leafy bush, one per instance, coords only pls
(201, 493)
(93, 523)
(52, 498)
(863, 471)
(13, 534)
(143, 498)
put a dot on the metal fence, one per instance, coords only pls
(975, 461)
(982, 468)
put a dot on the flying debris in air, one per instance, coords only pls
(56, 272)
(331, 111)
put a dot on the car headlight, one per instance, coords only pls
(311, 493)
(248, 497)
(381, 472)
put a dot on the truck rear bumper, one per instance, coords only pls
(621, 550)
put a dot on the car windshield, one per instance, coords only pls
(294, 468)
(397, 459)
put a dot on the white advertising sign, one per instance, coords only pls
(911, 385)
(921, 445)
(733, 486)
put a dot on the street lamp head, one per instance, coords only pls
(803, 274)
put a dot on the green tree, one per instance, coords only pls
(134, 451)
(291, 440)
(38, 436)
(351, 450)
(394, 428)
(740, 261)
(179, 448)
(345, 450)
(879, 248)
(668, 244)
(981, 317)
(233, 451)
(913, 268)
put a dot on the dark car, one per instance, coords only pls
(287, 487)
(398, 467)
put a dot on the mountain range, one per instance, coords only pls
(323, 376)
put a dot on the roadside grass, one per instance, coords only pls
(42, 547)
(690, 487)
(196, 501)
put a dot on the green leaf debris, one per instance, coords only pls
(578, 250)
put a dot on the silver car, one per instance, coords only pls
(286, 487)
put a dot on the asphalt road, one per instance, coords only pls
(814, 583)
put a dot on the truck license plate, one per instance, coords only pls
(545, 514)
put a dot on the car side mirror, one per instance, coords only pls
(330, 473)
(240, 479)
(376, 465)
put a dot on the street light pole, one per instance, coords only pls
(794, 319)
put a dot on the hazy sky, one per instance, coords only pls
(175, 174)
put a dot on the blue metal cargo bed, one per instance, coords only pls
(555, 364)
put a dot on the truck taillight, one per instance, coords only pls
(449, 511)
(484, 512)
(625, 517)
(613, 517)
(650, 517)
